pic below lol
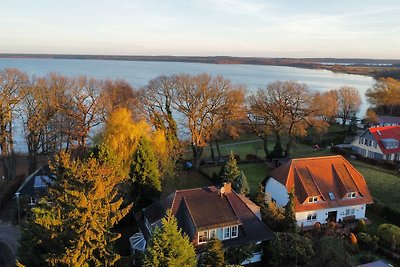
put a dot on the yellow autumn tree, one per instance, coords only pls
(122, 134)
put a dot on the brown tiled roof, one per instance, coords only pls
(204, 208)
(320, 176)
(207, 208)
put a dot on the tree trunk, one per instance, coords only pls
(265, 145)
(197, 153)
(212, 152)
(218, 150)
(289, 145)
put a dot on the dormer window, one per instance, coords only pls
(312, 199)
(352, 195)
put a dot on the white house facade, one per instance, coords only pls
(380, 143)
(325, 189)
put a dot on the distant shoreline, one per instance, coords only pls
(375, 68)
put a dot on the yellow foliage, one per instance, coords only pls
(122, 135)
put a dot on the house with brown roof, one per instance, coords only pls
(379, 143)
(203, 213)
(325, 188)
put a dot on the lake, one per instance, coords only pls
(138, 73)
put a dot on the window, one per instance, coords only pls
(212, 233)
(234, 231)
(312, 217)
(312, 199)
(349, 212)
(220, 233)
(227, 232)
(203, 237)
(351, 195)
(32, 201)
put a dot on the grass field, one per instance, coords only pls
(384, 185)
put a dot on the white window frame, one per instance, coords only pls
(311, 217)
(352, 195)
(350, 212)
(212, 233)
(236, 231)
(32, 201)
(312, 199)
(227, 230)
(198, 237)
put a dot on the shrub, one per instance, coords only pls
(360, 227)
(389, 234)
(365, 241)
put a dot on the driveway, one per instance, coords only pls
(9, 235)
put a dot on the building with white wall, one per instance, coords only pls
(380, 142)
(325, 189)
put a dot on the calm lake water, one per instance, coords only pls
(138, 73)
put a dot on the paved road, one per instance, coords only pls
(9, 235)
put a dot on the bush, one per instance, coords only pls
(360, 227)
(389, 235)
(366, 242)
(392, 215)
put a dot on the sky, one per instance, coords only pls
(260, 28)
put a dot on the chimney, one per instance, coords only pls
(227, 187)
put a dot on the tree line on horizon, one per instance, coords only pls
(59, 112)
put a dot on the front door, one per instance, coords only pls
(332, 216)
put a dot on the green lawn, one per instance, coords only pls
(255, 173)
(184, 180)
(383, 185)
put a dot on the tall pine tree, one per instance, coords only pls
(145, 175)
(72, 225)
(230, 171)
(290, 215)
(168, 247)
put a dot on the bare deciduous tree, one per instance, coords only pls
(202, 100)
(12, 83)
(349, 102)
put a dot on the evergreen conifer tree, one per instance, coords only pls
(290, 215)
(214, 255)
(72, 225)
(260, 197)
(168, 247)
(241, 185)
(145, 175)
(229, 172)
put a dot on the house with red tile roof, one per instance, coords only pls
(379, 143)
(203, 213)
(325, 189)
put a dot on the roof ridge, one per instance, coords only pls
(300, 180)
(338, 177)
(314, 181)
(315, 158)
(237, 195)
(354, 180)
(190, 213)
(230, 204)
